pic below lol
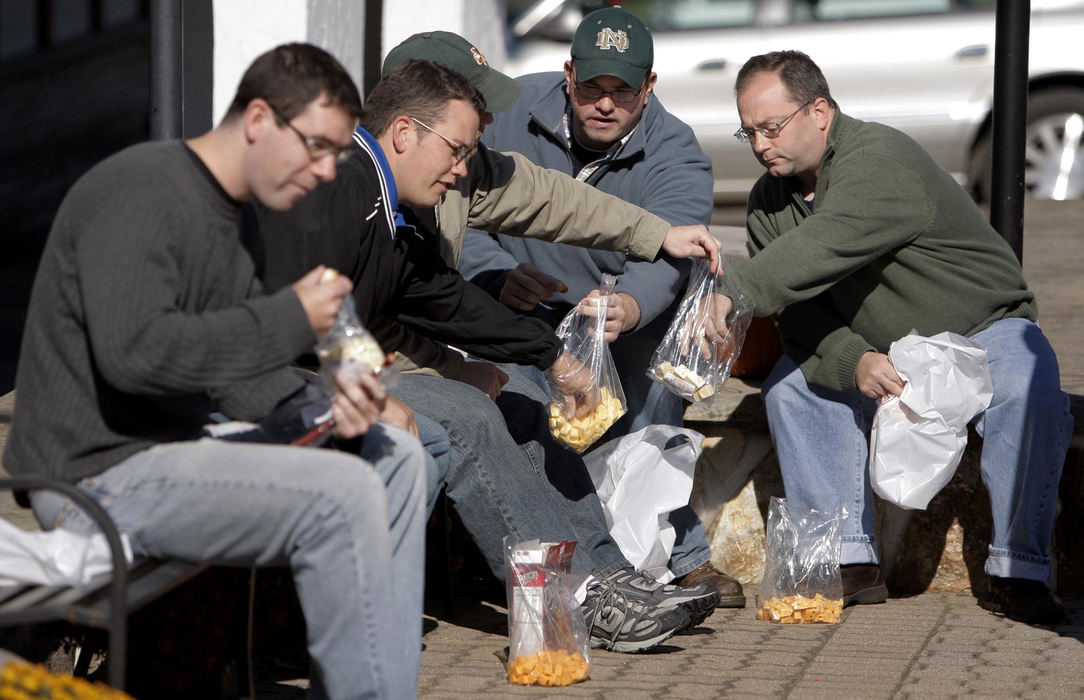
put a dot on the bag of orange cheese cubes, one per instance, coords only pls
(801, 570)
(547, 637)
(583, 335)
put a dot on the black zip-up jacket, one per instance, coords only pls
(349, 224)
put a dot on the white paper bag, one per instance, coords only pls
(56, 557)
(918, 438)
(640, 482)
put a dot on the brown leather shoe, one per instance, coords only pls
(862, 584)
(730, 591)
(1023, 600)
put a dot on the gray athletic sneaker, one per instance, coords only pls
(624, 623)
(698, 601)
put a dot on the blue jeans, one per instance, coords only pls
(820, 437)
(438, 446)
(352, 530)
(504, 481)
(656, 405)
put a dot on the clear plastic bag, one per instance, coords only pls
(350, 349)
(700, 347)
(584, 340)
(547, 636)
(801, 581)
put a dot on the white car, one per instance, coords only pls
(925, 67)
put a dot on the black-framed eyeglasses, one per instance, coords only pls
(459, 150)
(768, 131)
(318, 148)
(620, 96)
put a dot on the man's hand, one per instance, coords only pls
(622, 312)
(357, 405)
(400, 415)
(876, 377)
(707, 326)
(485, 377)
(577, 386)
(321, 300)
(692, 242)
(525, 286)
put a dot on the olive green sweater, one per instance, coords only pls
(893, 244)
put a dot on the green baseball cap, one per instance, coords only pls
(613, 41)
(454, 52)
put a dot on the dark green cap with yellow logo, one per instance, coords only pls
(454, 52)
(613, 41)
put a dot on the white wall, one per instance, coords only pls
(481, 22)
(244, 29)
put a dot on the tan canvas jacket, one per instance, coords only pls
(506, 193)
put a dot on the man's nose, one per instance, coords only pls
(460, 168)
(324, 167)
(605, 103)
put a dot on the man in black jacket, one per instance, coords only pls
(421, 123)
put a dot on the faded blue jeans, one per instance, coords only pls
(650, 403)
(503, 480)
(821, 435)
(352, 531)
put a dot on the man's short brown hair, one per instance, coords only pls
(420, 89)
(291, 76)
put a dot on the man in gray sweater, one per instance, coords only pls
(146, 318)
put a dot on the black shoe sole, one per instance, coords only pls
(867, 596)
(1028, 617)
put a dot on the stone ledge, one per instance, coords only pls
(942, 548)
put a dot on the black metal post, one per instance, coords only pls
(1010, 118)
(167, 106)
(373, 46)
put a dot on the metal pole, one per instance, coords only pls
(373, 48)
(1010, 118)
(167, 107)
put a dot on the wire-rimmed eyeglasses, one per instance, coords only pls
(459, 150)
(318, 148)
(769, 131)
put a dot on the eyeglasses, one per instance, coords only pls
(768, 131)
(593, 93)
(620, 96)
(459, 150)
(318, 148)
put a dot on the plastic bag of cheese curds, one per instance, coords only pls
(801, 582)
(547, 635)
(584, 340)
(705, 338)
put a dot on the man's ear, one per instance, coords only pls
(257, 119)
(568, 78)
(649, 84)
(401, 129)
(822, 112)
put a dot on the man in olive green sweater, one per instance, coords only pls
(857, 237)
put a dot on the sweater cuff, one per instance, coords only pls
(847, 364)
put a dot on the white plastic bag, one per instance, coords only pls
(918, 438)
(56, 557)
(639, 482)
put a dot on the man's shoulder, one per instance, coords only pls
(149, 159)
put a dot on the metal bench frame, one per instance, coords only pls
(106, 601)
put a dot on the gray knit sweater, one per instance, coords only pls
(144, 318)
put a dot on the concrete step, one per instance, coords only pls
(940, 549)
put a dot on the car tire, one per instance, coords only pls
(1054, 149)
